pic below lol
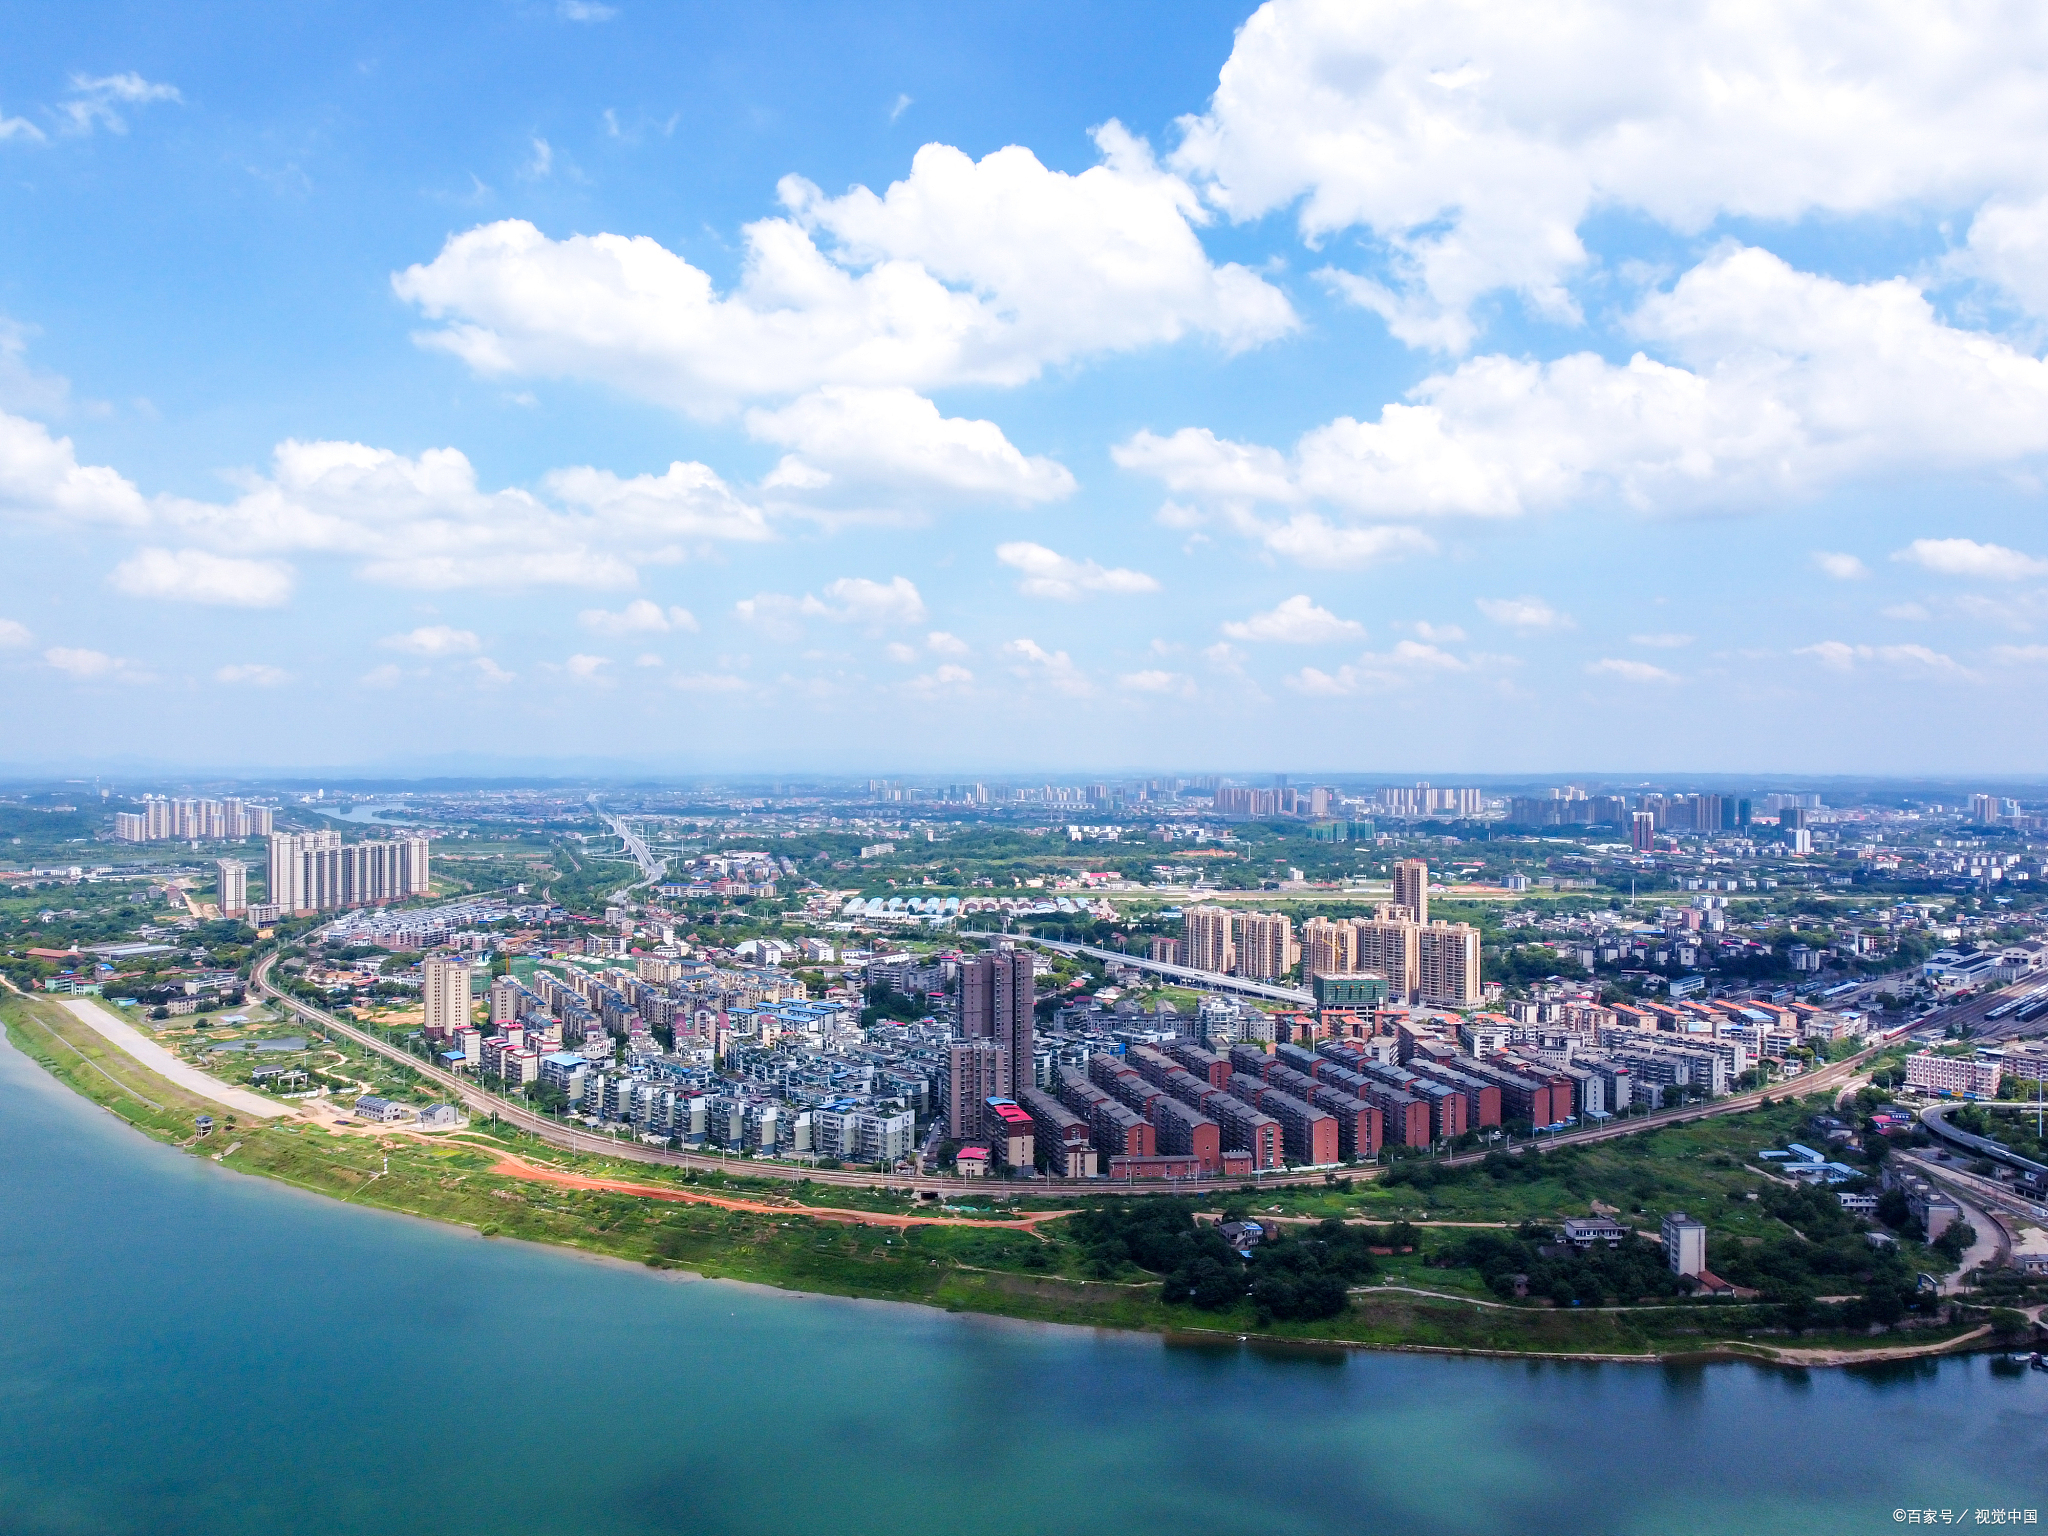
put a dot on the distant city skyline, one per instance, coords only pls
(688, 390)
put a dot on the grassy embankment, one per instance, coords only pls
(975, 1269)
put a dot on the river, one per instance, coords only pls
(184, 1349)
(397, 816)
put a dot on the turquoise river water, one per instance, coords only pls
(187, 1350)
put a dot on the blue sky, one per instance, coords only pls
(1355, 387)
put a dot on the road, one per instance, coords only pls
(119, 1032)
(651, 868)
(1212, 981)
(1993, 1245)
(2004, 1196)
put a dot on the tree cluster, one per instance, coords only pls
(1825, 1252)
(1293, 1277)
(1528, 1257)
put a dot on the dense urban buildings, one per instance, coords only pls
(1352, 986)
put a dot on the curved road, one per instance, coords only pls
(1993, 1247)
(571, 1138)
(651, 868)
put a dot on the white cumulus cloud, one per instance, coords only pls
(1470, 141)
(1840, 566)
(1840, 656)
(1967, 557)
(639, 617)
(1531, 615)
(1775, 384)
(15, 635)
(1629, 671)
(424, 522)
(434, 640)
(194, 576)
(1047, 573)
(1296, 621)
(873, 605)
(90, 666)
(421, 522)
(966, 271)
(41, 479)
(1379, 672)
(895, 438)
(1055, 669)
(252, 674)
(98, 101)
(1163, 684)
(946, 678)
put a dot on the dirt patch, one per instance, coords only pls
(519, 1168)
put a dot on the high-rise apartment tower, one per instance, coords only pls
(445, 991)
(997, 1002)
(1411, 888)
(234, 887)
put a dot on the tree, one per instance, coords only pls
(547, 1097)
(1957, 1239)
(1892, 1209)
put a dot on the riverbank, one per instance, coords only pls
(815, 1240)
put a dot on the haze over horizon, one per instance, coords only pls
(898, 389)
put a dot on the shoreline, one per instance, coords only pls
(1019, 1288)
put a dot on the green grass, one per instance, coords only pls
(1706, 1168)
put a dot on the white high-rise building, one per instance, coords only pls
(234, 887)
(445, 992)
(1206, 933)
(162, 820)
(317, 872)
(295, 869)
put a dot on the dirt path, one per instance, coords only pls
(1789, 1355)
(519, 1168)
(1265, 1218)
